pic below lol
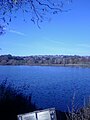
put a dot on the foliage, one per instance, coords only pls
(13, 103)
(83, 114)
(45, 60)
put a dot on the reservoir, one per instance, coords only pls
(50, 86)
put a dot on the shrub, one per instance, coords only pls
(13, 102)
(82, 114)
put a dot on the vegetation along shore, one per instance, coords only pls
(46, 60)
(14, 102)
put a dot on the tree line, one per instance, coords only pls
(45, 60)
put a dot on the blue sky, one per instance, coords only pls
(67, 33)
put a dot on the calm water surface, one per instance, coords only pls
(50, 86)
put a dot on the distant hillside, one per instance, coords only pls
(58, 60)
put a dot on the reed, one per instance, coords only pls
(13, 102)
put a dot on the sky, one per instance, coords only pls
(67, 33)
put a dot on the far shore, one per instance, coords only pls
(54, 65)
(46, 60)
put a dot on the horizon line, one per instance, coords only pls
(48, 55)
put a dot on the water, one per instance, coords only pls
(50, 86)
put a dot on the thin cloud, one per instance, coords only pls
(17, 32)
(52, 41)
(84, 45)
(56, 42)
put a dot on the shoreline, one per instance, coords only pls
(53, 65)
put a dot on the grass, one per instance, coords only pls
(82, 114)
(13, 102)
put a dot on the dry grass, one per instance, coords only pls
(13, 102)
(82, 114)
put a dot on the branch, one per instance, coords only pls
(36, 13)
(37, 9)
(52, 8)
(2, 29)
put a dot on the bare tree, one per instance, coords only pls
(37, 9)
